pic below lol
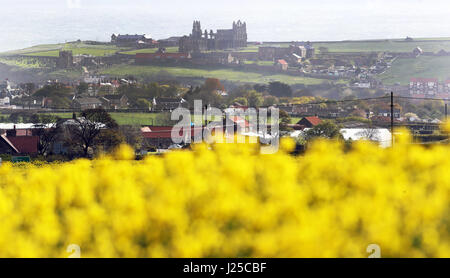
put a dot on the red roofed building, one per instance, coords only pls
(25, 144)
(243, 123)
(161, 136)
(19, 144)
(309, 122)
(424, 86)
(282, 64)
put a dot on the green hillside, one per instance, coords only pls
(427, 45)
(52, 50)
(425, 66)
(224, 74)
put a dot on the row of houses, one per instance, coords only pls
(160, 137)
(107, 102)
(423, 87)
(8, 92)
(337, 111)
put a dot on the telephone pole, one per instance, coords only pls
(446, 111)
(392, 119)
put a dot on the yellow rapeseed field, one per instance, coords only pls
(228, 200)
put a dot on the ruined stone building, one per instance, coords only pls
(65, 60)
(199, 40)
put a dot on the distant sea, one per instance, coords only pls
(22, 28)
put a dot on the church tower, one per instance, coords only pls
(196, 30)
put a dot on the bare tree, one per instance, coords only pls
(90, 130)
(370, 133)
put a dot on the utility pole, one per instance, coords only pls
(206, 115)
(392, 119)
(446, 111)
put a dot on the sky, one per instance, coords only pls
(28, 22)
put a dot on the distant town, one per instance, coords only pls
(138, 80)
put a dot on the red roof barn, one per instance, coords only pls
(310, 121)
(19, 144)
(25, 144)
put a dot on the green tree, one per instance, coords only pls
(260, 88)
(326, 129)
(82, 88)
(254, 99)
(285, 121)
(213, 84)
(241, 100)
(270, 100)
(208, 97)
(59, 93)
(142, 103)
(279, 89)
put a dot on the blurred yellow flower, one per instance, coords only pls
(124, 152)
(287, 144)
(228, 200)
(446, 126)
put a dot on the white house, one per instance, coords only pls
(380, 135)
(4, 101)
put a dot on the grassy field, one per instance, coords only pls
(261, 63)
(430, 67)
(149, 50)
(79, 48)
(23, 62)
(37, 48)
(52, 50)
(427, 45)
(396, 45)
(223, 74)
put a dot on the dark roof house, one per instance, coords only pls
(167, 104)
(115, 101)
(86, 103)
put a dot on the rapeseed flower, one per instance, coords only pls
(228, 200)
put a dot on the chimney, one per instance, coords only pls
(12, 132)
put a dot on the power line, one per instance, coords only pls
(337, 101)
(422, 98)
